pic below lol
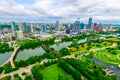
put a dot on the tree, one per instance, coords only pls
(28, 77)
(1, 69)
(114, 52)
(17, 77)
(64, 52)
(36, 74)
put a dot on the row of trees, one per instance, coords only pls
(88, 70)
(1, 69)
(36, 73)
(81, 36)
(49, 42)
(17, 77)
(33, 59)
(28, 77)
(7, 68)
(26, 44)
(37, 68)
(4, 47)
(64, 52)
(69, 69)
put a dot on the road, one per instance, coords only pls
(23, 69)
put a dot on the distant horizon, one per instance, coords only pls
(104, 24)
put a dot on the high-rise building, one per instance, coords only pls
(77, 25)
(14, 30)
(57, 26)
(43, 28)
(89, 23)
(31, 28)
(82, 25)
(110, 28)
(99, 27)
(19, 34)
(92, 26)
(20, 26)
(95, 27)
(25, 27)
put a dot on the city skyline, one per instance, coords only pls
(48, 11)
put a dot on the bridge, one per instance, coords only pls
(48, 49)
(10, 59)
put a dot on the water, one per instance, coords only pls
(82, 41)
(4, 57)
(59, 46)
(108, 66)
(25, 54)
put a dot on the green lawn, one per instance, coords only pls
(52, 72)
(83, 47)
(107, 57)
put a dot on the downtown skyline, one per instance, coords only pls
(48, 11)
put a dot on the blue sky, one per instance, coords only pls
(24, 1)
(48, 11)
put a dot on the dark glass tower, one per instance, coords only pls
(89, 23)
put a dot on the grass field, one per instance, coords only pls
(83, 47)
(52, 72)
(113, 39)
(107, 57)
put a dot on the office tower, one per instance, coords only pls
(20, 26)
(19, 34)
(99, 27)
(43, 28)
(14, 30)
(110, 28)
(92, 26)
(95, 27)
(25, 27)
(61, 27)
(82, 25)
(31, 28)
(89, 23)
(57, 26)
(77, 25)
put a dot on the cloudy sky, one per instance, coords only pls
(107, 11)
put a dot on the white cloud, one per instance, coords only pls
(65, 10)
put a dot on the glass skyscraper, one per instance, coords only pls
(14, 30)
(43, 28)
(89, 23)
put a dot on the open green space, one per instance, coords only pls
(108, 57)
(53, 72)
(89, 46)
(113, 39)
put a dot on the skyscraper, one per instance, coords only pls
(77, 25)
(14, 30)
(25, 27)
(31, 28)
(89, 23)
(57, 26)
(19, 34)
(20, 26)
(43, 28)
(82, 25)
